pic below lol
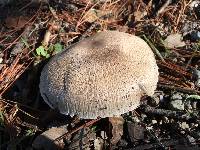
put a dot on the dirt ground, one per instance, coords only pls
(32, 31)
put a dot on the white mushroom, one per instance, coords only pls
(104, 75)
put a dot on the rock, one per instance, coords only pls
(192, 103)
(195, 105)
(177, 101)
(191, 140)
(135, 131)
(46, 139)
(188, 27)
(176, 96)
(196, 76)
(154, 121)
(143, 116)
(98, 144)
(165, 119)
(195, 35)
(184, 125)
(155, 100)
(177, 104)
(194, 4)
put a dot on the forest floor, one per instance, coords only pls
(31, 32)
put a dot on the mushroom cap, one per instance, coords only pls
(104, 75)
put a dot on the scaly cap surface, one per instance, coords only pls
(104, 75)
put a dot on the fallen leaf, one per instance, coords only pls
(16, 22)
(139, 15)
(174, 41)
(98, 144)
(117, 128)
(94, 14)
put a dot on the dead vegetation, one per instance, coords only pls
(168, 120)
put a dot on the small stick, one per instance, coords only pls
(19, 73)
(155, 50)
(163, 112)
(87, 124)
(181, 89)
(92, 26)
(163, 7)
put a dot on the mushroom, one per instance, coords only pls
(104, 75)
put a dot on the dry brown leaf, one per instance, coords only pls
(173, 41)
(117, 128)
(94, 14)
(16, 22)
(139, 15)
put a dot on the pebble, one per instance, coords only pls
(46, 140)
(195, 35)
(171, 120)
(182, 132)
(188, 106)
(154, 100)
(98, 144)
(194, 105)
(177, 96)
(1, 60)
(160, 122)
(196, 76)
(165, 120)
(194, 4)
(191, 139)
(143, 116)
(135, 119)
(154, 121)
(184, 125)
(135, 131)
(177, 104)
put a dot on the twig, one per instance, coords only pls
(155, 50)
(181, 12)
(32, 18)
(163, 7)
(19, 73)
(89, 123)
(163, 112)
(176, 68)
(15, 103)
(14, 41)
(85, 34)
(84, 14)
(47, 36)
(181, 89)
